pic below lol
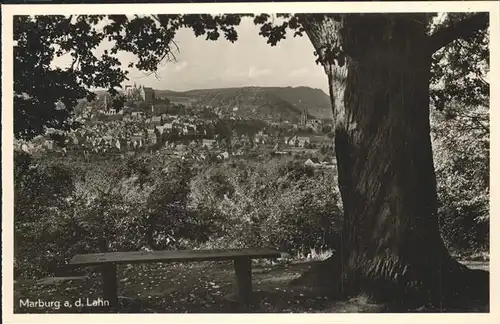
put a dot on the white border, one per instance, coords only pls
(292, 7)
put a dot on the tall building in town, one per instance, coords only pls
(147, 94)
(303, 116)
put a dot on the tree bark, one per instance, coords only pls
(391, 247)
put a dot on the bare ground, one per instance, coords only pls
(205, 287)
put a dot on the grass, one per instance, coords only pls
(204, 287)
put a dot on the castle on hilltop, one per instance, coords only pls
(143, 93)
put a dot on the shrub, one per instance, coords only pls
(170, 220)
(67, 208)
(41, 193)
(275, 203)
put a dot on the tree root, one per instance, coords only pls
(466, 287)
(453, 287)
(323, 277)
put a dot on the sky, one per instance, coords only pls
(250, 61)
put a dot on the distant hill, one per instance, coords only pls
(275, 103)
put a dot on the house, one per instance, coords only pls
(328, 164)
(108, 140)
(181, 148)
(137, 141)
(260, 137)
(189, 130)
(151, 132)
(27, 147)
(118, 145)
(161, 129)
(87, 111)
(128, 109)
(223, 155)
(291, 141)
(207, 143)
(156, 120)
(319, 141)
(312, 162)
(170, 145)
(303, 141)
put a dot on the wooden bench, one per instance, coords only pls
(66, 277)
(242, 259)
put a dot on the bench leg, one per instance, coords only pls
(243, 269)
(110, 285)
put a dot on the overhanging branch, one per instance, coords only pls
(461, 29)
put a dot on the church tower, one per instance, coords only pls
(303, 117)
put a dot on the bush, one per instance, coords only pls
(273, 203)
(170, 220)
(61, 211)
(41, 192)
(162, 203)
(64, 208)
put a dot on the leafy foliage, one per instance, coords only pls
(159, 203)
(460, 69)
(41, 193)
(461, 151)
(38, 86)
(269, 204)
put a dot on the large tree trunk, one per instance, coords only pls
(391, 247)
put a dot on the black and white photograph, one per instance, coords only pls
(248, 161)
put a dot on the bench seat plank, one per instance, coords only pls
(172, 256)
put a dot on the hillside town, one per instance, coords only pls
(144, 122)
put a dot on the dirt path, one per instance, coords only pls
(195, 288)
